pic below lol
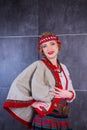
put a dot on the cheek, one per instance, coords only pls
(44, 50)
(58, 47)
(57, 50)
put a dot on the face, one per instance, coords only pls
(50, 49)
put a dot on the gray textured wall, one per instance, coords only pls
(21, 22)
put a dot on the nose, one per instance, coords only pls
(48, 47)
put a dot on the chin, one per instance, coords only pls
(51, 57)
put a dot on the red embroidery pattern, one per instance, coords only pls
(57, 82)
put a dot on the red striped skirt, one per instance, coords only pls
(53, 121)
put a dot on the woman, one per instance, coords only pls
(40, 94)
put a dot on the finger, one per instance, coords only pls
(58, 89)
(39, 108)
(58, 97)
(44, 104)
(55, 93)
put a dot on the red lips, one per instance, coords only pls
(50, 52)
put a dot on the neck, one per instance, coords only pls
(54, 61)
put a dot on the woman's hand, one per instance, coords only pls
(39, 105)
(61, 93)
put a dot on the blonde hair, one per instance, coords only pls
(46, 34)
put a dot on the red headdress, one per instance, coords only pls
(48, 38)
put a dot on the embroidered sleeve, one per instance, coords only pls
(19, 99)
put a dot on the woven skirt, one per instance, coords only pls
(53, 121)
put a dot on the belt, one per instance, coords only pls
(63, 109)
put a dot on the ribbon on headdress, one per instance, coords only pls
(48, 38)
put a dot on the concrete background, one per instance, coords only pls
(21, 23)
